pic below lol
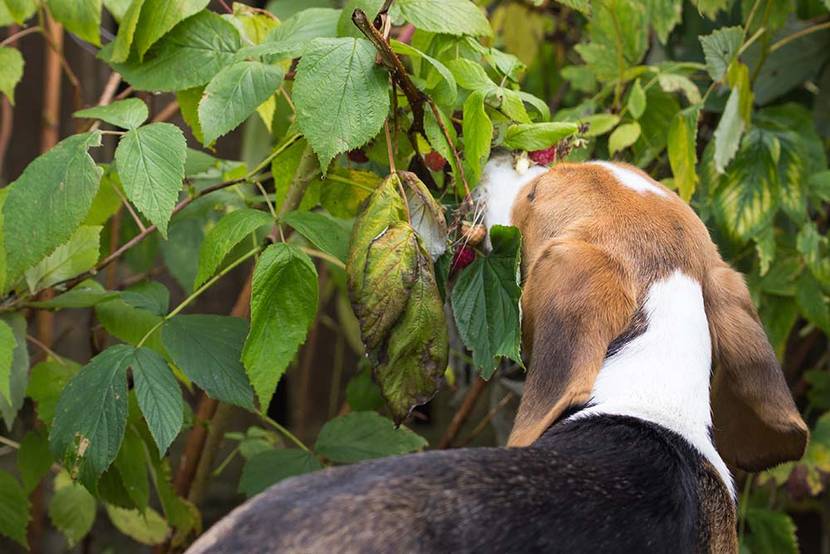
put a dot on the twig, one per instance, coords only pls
(797, 35)
(463, 412)
(10, 443)
(53, 34)
(132, 212)
(167, 112)
(46, 349)
(7, 115)
(482, 425)
(20, 34)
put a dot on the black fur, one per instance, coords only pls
(598, 484)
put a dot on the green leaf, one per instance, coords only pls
(729, 131)
(636, 100)
(682, 150)
(189, 56)
(770, 532)
(327, 233)
(710, 8)
(720, 49)
(14, 509)
(208, 349)
(151, 296)
(272, 466)
(363, 394)
(664, 15)
(443, 85)
(11, 71)
(91, 415)
(34, 459)
(452, 17)
(126, 32)
(232, 229)
(118, 8)
(127, 114)
(538, 136)
(147, 528)
(158, 17)
(19, 374)
(7, 346)
(48, 202)
(72, 511)
(623, 137)
(812, 303)
(131, 465)
(341, 96)
(159, 396)
(189, 107)
(82, 17)
(485, 302)
(745, 199)
(290, 39)
(478, 134)
(364, 436)
(674, 82)
(426, 215)
(472, 76)
(128, 323)
(151, 165)
(583, 6)
(79, 254)
(47, 382)
(84, 295)
(234, 94)
(345, 26)
(765, 248)
(283, 306)
(599, 124)
(814, 247)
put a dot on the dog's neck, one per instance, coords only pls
(662, 375)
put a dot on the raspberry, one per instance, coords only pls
(358, 156)
(543, 157)
(463, 257)
(435, 161)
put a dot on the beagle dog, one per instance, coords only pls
(650, 375)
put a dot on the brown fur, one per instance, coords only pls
(592, 247)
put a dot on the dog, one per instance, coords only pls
(650, 375)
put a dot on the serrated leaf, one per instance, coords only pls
(327, 233)
(72, 511)
(452, 17)
(188, 100)
(128, 323)
(46, 384)
(729, 131)
(91, 415)
(272, 466)
(82, 17)
(151, 166)
(234, 94)
(34, 459)
(345, 26)
(771, 532)
(189, 56)
(538, 136)
(7, 346)
(812, 303)
(19, 374)
(14, 509)
(208, 349)
(11, 70)
(745, 199)
(485, 302)
(293, 35)
(673, 82)
(623, 136)
(21, 10)
(682, 150)
(79, 254)
(224, 236)
(127, 114)
(122, 44)
(151, 296)
(664, 15)
(599, 124)
(283, 306)
(444, 89)
(131, 465)
(159, 396)
(341, 96)
(478, 134)
(158, 17)
(426, 215)
(720, 49)
(364, 436)
(636, 100)
(147, 528)
(48, 202)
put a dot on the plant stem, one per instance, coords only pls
(10, 443)
(288, 434)
(797, 35)
(20, 34)
(323, 256)
(463, 412)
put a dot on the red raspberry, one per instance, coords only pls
(435, 161)
(358, 156)
(463, 257)
(543, 157)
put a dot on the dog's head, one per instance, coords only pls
(636, 232)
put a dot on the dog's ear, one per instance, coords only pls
(576, 300)
(756, 423)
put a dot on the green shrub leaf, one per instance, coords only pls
(364, 436)
(151, 166)
(14, 509)
(224, 236)
(208, 349)
(283, 305)
(452, 17)
(79, 254)
(127, 114)
(82, 17)
(158, 17)
(272, 466)
(682, 150)
(159, 396)
(19, 373)
(623, 137)
(34, 459)
(11, 71)
(720, 49)
(72, 511)
(327, 233)
(342, 96)
(7, 346)
(538, 136)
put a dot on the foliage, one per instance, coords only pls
(724, 101)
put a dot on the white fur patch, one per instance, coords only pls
(631, 179)
(500, 185)
(662, 376)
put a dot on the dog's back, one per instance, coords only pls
(600, 484)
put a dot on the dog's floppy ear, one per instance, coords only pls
(756, 423)
(576, 300)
